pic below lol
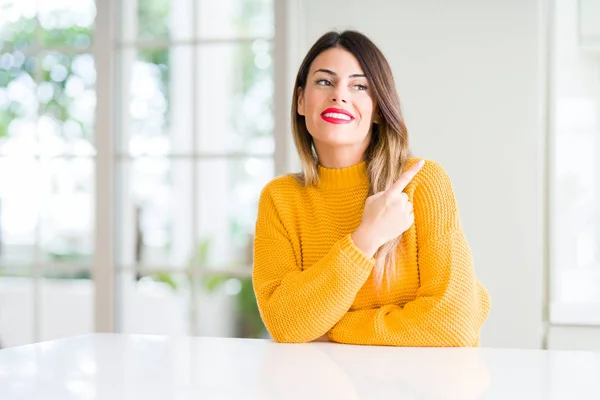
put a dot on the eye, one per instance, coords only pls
(360, 87)
(324, 82)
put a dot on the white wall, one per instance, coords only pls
(470, 74)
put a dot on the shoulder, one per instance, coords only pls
(281, 189)
(436, 210)
(432, 182)
(282, 185)
(431, 169)
(278, 204)
(431, 174)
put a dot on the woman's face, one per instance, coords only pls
(337, 102)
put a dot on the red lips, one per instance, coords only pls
(337, 116)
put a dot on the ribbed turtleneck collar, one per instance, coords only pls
(343, 178)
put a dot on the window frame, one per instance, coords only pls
(108, 300)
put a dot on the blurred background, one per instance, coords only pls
(136, 135)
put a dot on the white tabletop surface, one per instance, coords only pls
(114, 367)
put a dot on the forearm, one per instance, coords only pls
(392, 325)
(302, 305)
(449, 309)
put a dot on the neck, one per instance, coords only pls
(335, 157)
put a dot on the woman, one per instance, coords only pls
(339, 251)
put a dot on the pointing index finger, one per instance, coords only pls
(407, 176)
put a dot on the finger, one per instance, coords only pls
(395, 197)
(407, 176)
(376, 195)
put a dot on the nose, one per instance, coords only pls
(340, 94)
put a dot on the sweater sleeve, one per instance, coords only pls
(451, 305)
(299, 305)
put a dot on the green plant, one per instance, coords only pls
(249, 321)
(5, 118)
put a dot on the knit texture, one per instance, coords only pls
(311, 280)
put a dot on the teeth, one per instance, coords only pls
(337, 116)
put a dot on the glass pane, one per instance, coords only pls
(164, 304)
(228, 193)
(235, 94)
(575, 241)
(575, 232)
(156, 304)
(18, 104)
(16, 309)
(225, 306)
(67, 305)
(235, 18)
(66, 23)
(67, 210)
(17, 26)
(153, 19)
(158, 101)
(67, 101)
(155, 209)
(19, 209)
(157, 19)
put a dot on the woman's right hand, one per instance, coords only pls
(387, 215)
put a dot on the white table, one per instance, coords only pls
(141, 367)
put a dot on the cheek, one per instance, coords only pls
(313, 101)
(365, 106)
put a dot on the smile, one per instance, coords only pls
(337, 116)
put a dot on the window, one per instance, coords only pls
(575, 161)
(47, 160)
(192, 145)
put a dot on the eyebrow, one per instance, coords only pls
(330, 72)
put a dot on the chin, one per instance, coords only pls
(338, 141)
(338, 137)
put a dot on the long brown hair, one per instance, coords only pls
(388, 151)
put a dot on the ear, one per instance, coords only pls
(300, 93)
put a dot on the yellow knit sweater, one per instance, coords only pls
(311, 280)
